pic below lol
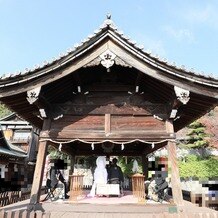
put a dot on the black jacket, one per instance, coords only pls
(115, 173)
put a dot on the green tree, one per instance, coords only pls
(197, 138)
(200, 168)
(4, 111)
(126, 164)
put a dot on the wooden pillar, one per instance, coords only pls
(145, 166)
(175, 178)
(107, 126)
(39, 168)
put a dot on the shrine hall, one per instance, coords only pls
(107, 95)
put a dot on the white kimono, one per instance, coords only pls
(100, 174)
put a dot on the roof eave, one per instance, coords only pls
(107, 29)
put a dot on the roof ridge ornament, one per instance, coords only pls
(108, 21)
(108, 16)
(182, 94)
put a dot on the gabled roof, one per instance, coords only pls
(159, 73)
(107, 29)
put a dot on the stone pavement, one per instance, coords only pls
(113, 207)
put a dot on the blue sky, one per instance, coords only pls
(184, 32)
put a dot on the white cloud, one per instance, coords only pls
(207, 15)
(179, 34)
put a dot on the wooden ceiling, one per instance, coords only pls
(119, 80)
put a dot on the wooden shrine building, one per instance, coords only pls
(107, 95)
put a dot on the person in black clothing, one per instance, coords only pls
(108, 166)
(115, 174)
(55, 176)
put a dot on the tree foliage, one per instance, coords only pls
(210, 120)
(197, 138)
(56, 154)
(4, 111)
(126, 164)
(210, 123)
(200, 168)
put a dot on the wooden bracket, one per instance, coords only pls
(182, 94)
(34, 97)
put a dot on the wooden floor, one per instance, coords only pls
(113, 207)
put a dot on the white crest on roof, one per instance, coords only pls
(107, 58)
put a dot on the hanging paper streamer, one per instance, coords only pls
(122, 147)
(93, 146)
(107, 140)
(60, 146)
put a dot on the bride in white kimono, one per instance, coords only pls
(100, 175)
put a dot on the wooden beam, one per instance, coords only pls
(175, 178)
(105, 109)
(103, 88)
(102, 153)
(107, 124)
(100, 135)
(39, 170)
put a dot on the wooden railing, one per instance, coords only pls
(200, 199)
(24, 214)
(205, 200)
(40, 214)
(11, 197)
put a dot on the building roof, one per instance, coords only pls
(8, 149)
(14, 119)
(60, 77)
(109, 27)
(11, 116)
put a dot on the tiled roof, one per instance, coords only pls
(8, 117)
(13, 153)
(109, 26)
(6, 148)
(15, 148)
